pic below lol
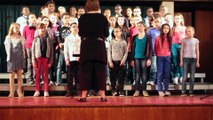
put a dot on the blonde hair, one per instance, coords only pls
(12, 26)
(180, 15)
(190, 27)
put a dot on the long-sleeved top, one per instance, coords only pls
(37, 52)
(179, 34)
(154, 32)
(72, 47)
(148, 48)
(162, 49)
(29, 33)
(117, 51)
(133, 31)
(93, 29)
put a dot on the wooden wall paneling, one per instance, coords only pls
(204, 32)
(187, 18)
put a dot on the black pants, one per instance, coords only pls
(117, 72)
(73, 72)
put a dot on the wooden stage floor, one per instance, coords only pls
(60, 101)
(117, 108)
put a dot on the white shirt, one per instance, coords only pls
(22, 21)
(71, 47)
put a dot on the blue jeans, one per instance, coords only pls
(61, 62)
(191, 63)
(153, 69)
(163, 72)
(177, 70)
(140, 65)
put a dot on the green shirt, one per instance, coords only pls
(140, 47)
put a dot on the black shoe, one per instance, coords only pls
(104, 100)
(82, 100)
(69, 94)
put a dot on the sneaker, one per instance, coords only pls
(133, 83)
(121, 94)
(183, 95)
(108, 81)
(191, 95)
(181, 79)
(175, 80)
(161, 94)
(42, 82)
(57, 83)
(46, 94)
(51, 83)
(167, 93)
(92, 93)
(114, 93)
(136, 94)
(152, 83)
(31, 82)
(145, 93)
(36, 94)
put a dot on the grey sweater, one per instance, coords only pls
(36, 50)
(117, 51)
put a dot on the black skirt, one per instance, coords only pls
(93, 75)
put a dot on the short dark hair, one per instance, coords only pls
(40, 25)
(50, 2)
(74, 23)
(137, 7)
(118, 27)
(92, 5)
(66, 13)
(24, 7)
(50, 23)
(118, 5)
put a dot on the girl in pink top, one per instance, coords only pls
(178, 34)
(163, 45)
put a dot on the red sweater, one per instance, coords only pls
(162, 50)
(28, 33)
(133, 31)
